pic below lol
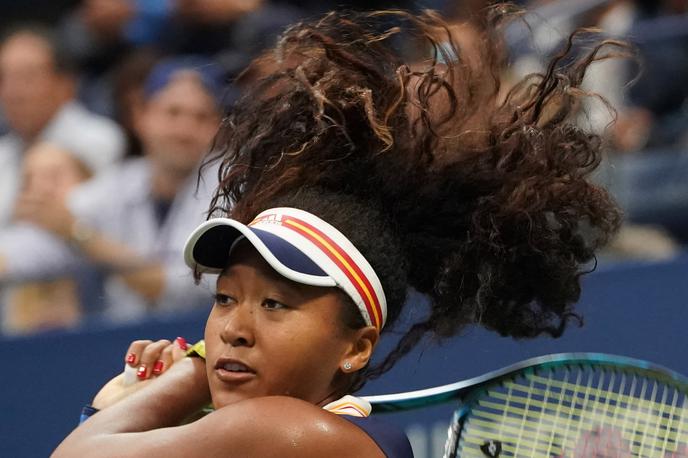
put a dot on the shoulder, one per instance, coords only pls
(95, 139)
(73, 115)
(285, 427)
(10, 147)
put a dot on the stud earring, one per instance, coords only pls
(347, 366)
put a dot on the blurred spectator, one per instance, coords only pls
(652, 121)
(53, 172)
(626, 126)
(37, 90)
(651, 112)
(661, 91)
(133, 222)
(45, 11)
(127, 88)
(191, 25)
(145, 22)
(624, 114)
(100, 31)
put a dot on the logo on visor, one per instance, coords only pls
(270, 218)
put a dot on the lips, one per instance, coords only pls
(232, 371)
(235, 367)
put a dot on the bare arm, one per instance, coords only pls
(157, 407)
(145, 276)
(142, 425)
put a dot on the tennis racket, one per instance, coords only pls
(565, 405)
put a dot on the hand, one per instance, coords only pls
(145, 360)
(600, 442)
(681, 452)
(215, 11)
(47, 211)
(632, 129)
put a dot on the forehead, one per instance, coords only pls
(186, 87)
(24, 49)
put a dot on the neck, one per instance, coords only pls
(166, 182)
(339, 389)
(29, 134)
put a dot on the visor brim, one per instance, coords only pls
(208, 250)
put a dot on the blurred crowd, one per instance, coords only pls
(107, 108)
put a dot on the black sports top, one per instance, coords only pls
(391, 440)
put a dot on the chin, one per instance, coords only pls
(222, 399)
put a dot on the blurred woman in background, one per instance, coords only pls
(48, 171)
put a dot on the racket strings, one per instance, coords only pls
(570, 412)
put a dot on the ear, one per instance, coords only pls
(361, 349)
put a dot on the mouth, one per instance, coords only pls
(233, 371)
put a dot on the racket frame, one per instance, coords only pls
(416, 399)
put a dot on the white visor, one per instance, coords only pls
(299, 246)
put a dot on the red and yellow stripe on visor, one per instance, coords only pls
(352, 271)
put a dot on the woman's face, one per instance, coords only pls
(267, 335)
(49, 170)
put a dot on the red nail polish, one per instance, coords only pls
(141, 373)
(182, 343)
(157, 367)
(131, 359)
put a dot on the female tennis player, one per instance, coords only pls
(348, 176)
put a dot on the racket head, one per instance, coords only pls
(575, 405)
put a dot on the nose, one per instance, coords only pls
(239, 326)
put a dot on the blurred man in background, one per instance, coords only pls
(37, 90)
(132, 222)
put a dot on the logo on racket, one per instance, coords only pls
(491, 448)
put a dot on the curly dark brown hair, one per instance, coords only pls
(476, 197)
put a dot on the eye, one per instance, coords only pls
(271, 304)
(223, 299)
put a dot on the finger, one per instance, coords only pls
(181, 343)
(180, 348)
(149, 356)
(131, 361)
(165, 361)
(133, 356)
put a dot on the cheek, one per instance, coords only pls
(307, 357)
(65, 183)
(212, 327)
(160, 129)
(207, 134)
